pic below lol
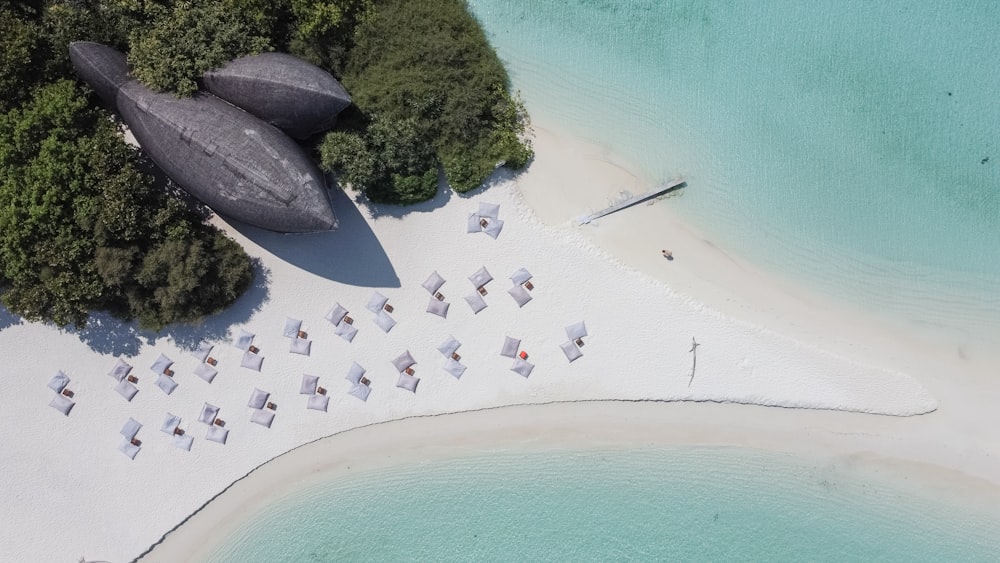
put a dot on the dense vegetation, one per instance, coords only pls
(83, 226)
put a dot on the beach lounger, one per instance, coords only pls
(439, 308)
(166, 383)
(59, 382)
(183, 441)
(121, 370)
(407, 382)
(130, 428)
(203, 351)
(489, 210)
(476, 302)
(128, 448)
(360, 391)
(300, 346)
(161, 365)
(252, 361)
(520, 277)
(126, 389)
(433, 283)
(217, 434)
(376, 302)
(62, 404)
(355, 374)
(318, 402)
(208, 414)
(520, 295)
(510, 347)
(403, 361)
(453, 367)
(493, 228)
(522, 367)
(571, 350)
(206, 372)
(384, 321)
(258, 399)
(576, 331)
(309, 384)
(481, 277)
(336, 314)
(244, 340)
(449, 346)
(170, 424)
(262, 417)
(346, 331)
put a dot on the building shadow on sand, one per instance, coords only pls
(110, 335)
(352, 254)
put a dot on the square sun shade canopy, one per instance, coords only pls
(520, 276)
(292, 327)
(355, 374)
(384, 321)
(376, 302)
(318, 402)
(244, 340)
(576, 330)
(183, 441)
(336, 314)
(510, 347)
(475, 301)
(493, 228)
(480, 278)
(433, 283)
(360, 391)
(439, 308)
(489, 210)
(166, 383)
(262, 417)
(170, 424)
(453, 367)
(62, 404)
(258, 399)
(121, 370)
(208, 414)
(403, 361)
(129, 449)
(522, 367)
(472, 223)
(346, 331)
(407, 382)
(571, 350)
(206, 372)
(203, 350)
(59, 381)
(309, 383)
(217, 434)
(126, 389)
(520, 295)
(300, 346)
(252, 361)
(161, 365)
(130, 428)
(449, 346)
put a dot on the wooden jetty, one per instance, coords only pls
(662, 189)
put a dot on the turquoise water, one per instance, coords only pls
(841, 144)
(681, 504)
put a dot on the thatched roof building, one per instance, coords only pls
(235, 163)
(299, 98)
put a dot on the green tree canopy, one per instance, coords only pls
(82, 227)
(191, 39)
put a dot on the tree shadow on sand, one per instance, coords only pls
(352, 254)
(106, 334)
(8, 319)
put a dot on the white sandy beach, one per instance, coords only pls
(883, 394)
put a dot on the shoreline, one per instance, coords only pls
(571, 426)
(631, 355)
